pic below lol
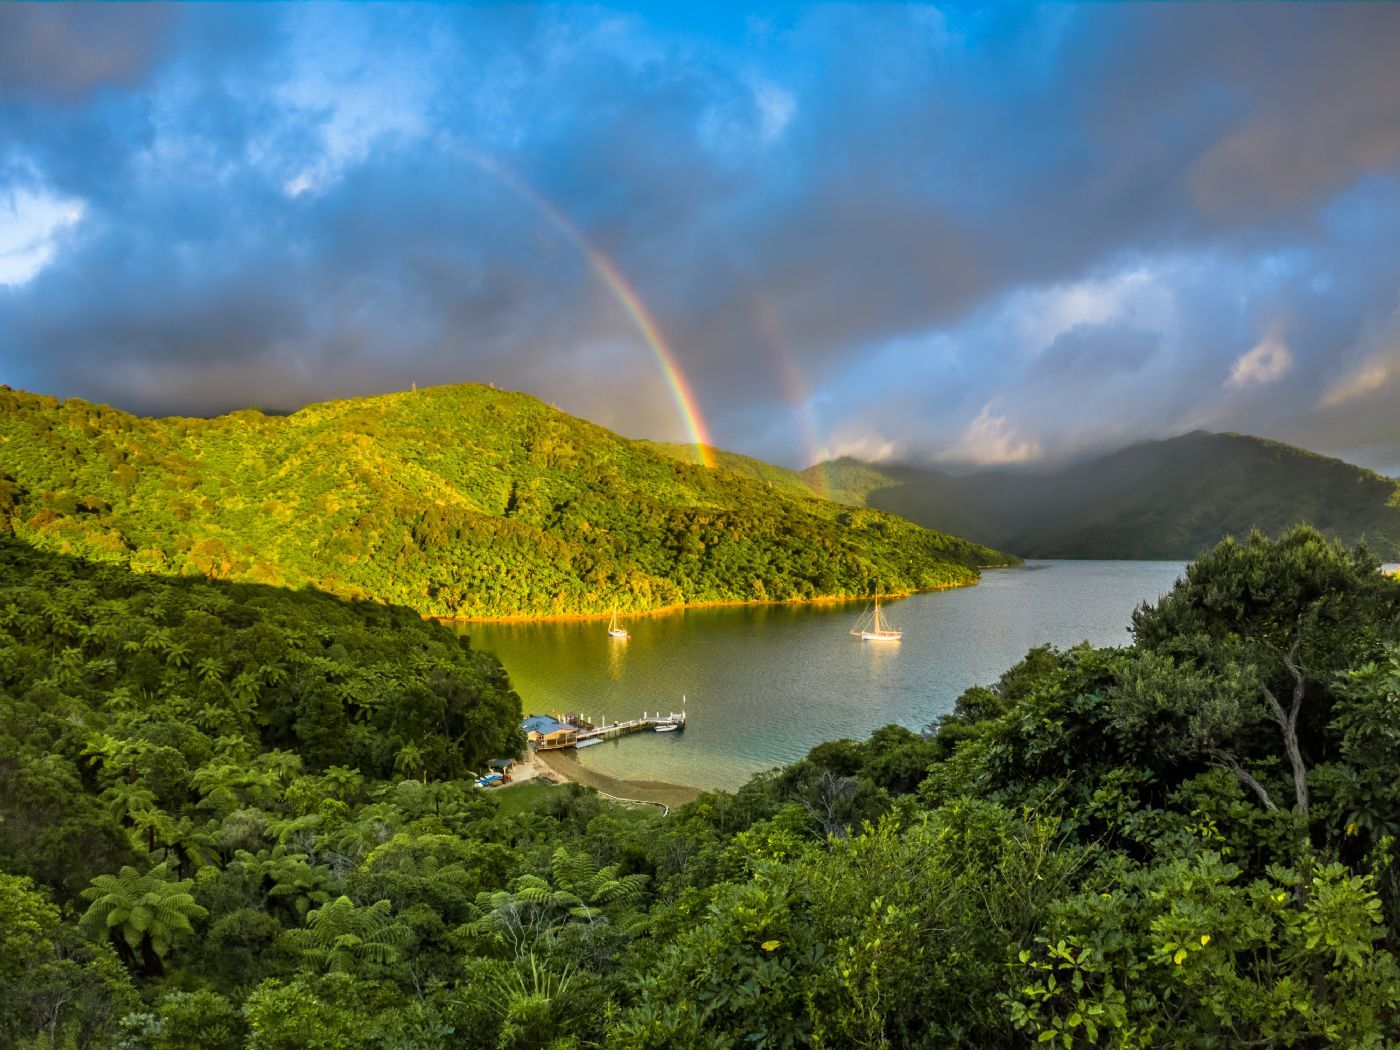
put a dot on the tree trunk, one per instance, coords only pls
(1288, 724)
(1290, 738)
(124, 952)
(150, 961)
(1225, 760)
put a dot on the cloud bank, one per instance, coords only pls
(1006, 235)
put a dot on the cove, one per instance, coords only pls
(765, 683)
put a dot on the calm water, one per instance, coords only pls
(763, 684)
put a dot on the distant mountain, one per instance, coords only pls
(455, 501)
(1159, 499)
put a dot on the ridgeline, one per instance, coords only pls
(456, 501)
(1169, 499)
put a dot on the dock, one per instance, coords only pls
(636, 725)
(553, 734)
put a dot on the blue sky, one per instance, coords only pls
(977, 236)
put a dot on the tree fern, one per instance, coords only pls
(341, 937)
(142, 914)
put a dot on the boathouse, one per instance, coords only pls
(545, 732)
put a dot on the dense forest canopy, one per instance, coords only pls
(455, 501)
(237, 817)
(1171, 499)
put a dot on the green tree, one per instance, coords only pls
(53, 990)
(531, 913)
(285, 876)
(201, 1019)
(142, 914)
(342, 937)
(1270, 624)
(1190, 953)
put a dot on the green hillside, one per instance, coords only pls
(848, 480)
(773, 476)
(1158, 499)
(240, 818)
(455, 501)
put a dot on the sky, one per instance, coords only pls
(1007, 235)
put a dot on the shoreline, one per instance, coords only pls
(568, 769)
(668, 610)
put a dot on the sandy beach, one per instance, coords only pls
(568, 768)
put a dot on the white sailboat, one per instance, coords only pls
(872, 628)
(614, 631)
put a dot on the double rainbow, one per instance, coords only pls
(626, 296)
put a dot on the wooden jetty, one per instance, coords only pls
(672, 720)
(555, 734)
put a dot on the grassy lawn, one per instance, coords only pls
(518, 798)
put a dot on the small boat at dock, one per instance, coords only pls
(589, 742)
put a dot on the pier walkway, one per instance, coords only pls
(636, 725)
(555, 733)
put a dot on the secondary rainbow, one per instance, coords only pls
(799, 395)
(627, 297)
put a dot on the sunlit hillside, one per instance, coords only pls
(456, 501)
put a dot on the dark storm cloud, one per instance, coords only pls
(287, 203)
(61, 52)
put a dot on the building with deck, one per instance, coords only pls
(546, 733)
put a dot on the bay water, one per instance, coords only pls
(762, 684)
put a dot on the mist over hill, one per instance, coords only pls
(1158, 499)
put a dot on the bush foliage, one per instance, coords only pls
(1186, 842)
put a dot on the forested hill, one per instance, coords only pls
(1159, 499)
(235, 818)
(455, 501)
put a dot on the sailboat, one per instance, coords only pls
(614, 631)
(874, 629)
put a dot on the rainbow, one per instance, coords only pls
(626, 296)
(675, 379)
(799, 394)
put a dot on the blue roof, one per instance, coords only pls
(542, 724)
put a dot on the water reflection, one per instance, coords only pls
(763, 684)
(617, 656)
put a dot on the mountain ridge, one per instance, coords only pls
(1167, 498)
(460, 500)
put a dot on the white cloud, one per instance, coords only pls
(1368, 380)
(30, 227)
(1031, 319)
(989, 440)
(776, 106)
(1267, 361)
(870, 448)
(356, 91)
(295, 187)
